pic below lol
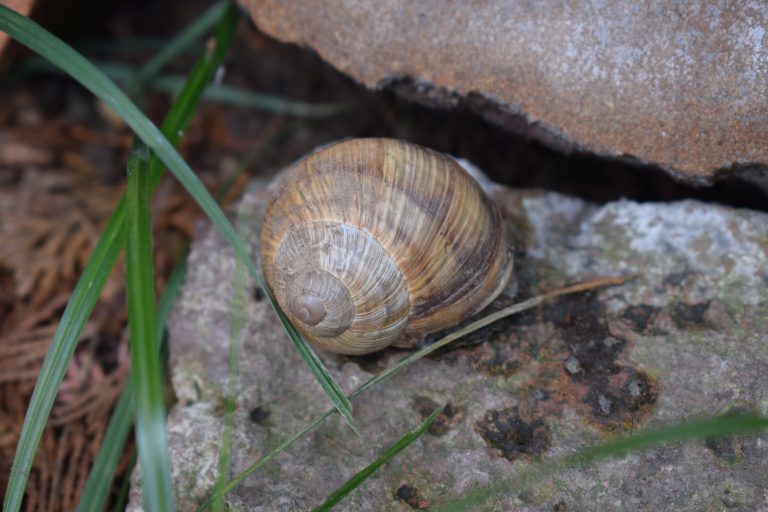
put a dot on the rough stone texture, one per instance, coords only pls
(685, 339)
(679, 84)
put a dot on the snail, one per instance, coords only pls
(372, 242)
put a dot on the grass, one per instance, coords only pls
(237, 321)
(100, 477)
(66, 58)
(129, 227)
(108, 248)
(220, 94)
(361, 476)
(147, 381)
(111, 243)
(651, 438)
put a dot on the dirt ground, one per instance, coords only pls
(62, 161)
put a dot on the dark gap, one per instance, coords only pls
(506, 157)
(261, 64)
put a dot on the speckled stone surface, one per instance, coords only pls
(680, 84)
(687, 338)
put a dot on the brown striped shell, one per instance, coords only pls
(370, 242)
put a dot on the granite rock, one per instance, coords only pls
(685, 339)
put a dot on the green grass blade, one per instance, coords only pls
(215, 93)
(170, 294)
(264, 460)
(95, 274)
(360, 477)
(147, 373)
(127, 44)
(177, 120)
(63, 56)
(99, 481)
(121, 499)
(102, 473)
(723, 425)
(233, 96)
(272, 454)
(687, 431)
(60, 54)
(329, 385)
(184, 40)
(237, 321)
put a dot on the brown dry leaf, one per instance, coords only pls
(26, 139)
(13, 405)
(63, 460)
(6, 295)
(49, 224)
(83, 406)
(18, 151)
(212, 129)
(175, 211)
(21, 353)
(87, 388)
(24, 343)
(117, 139)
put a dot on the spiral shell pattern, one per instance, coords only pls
(370, 242)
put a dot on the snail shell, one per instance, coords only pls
(370, 242)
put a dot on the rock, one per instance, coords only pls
(682, 86)
(685, 339)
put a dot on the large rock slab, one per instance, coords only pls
(685, 339)
(679, 84)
